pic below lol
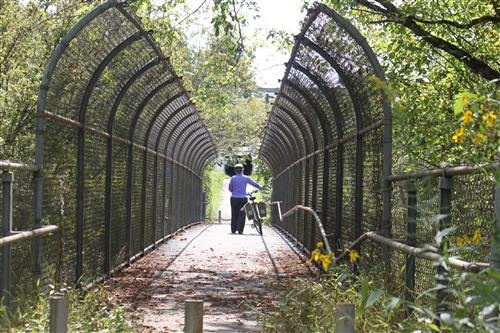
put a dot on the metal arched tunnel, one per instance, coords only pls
(115, 123)
(121, 147)
(328, 136)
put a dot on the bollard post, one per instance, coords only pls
(193, 316)
(6, 230)
(344, 318)
(58, 314)
(411, 230)
(220, 216)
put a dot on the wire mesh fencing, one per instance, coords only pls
(328, 136)
(118, 150)
(328, 143)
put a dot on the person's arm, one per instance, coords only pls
(253, 183)
(231, 185)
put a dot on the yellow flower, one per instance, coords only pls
(315, 255)
(458, 137)
(461, 241)
(319, 245)
(476, 238)
(326, 260)
(465, 99)
(353, 256)
(467, 118)
(479, 138)
(490, 118)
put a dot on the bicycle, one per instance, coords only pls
(255, 211)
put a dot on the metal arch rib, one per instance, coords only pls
(358, 108)
(56, 56)
(283, 125)
(168, 120)
(157, 114)
(317, 110)
(299, 125)
(200, 137)
(124, 90)
(40, 120)
(201, 160)
(274, 146)
(144, 102)
(192, 128)
(324, 90)
(200, 156)
(80, 183)
(306, 119)
(108, 182)
(169, 140)
(102, 66)
(387, 119)
(191, 156)
(283, 142)
(358, 111)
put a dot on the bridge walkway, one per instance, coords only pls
(237, 276)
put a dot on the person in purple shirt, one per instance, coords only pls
(238, 189)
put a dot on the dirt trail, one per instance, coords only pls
(237, 276)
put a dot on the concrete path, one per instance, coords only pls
(237, 276)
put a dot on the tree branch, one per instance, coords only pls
(193, 12)
(394, 15)
(476, 21)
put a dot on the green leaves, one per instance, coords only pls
(461, 100)
(369, 297)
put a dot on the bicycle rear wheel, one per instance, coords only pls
(258, 225)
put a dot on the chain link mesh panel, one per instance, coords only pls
(110, 101)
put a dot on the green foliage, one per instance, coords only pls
(478, 131)
(89, 311)
(474, 299)
(28, 34)
(424, 78)
(309, 306)
(212, 185)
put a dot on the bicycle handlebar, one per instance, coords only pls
(253, 192)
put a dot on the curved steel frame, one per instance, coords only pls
(327, 83)
(120, 82)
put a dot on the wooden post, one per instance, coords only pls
(193, 317)
(58, 314)
(344, 318)
(220, 216)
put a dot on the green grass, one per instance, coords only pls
(92, 310)
(213, 186)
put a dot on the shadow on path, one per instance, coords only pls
(237, 276)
